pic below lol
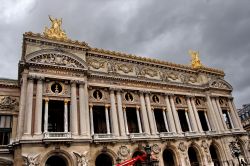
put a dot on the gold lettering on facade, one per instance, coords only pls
(55, 30)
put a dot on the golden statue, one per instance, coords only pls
(55, 30)
(196, 63)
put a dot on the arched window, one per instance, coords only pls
(214, 155)
(103, 159)
(56, 160)
(169, 158)
(193, 157)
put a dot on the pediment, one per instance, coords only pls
(56, 58)
(220, 84)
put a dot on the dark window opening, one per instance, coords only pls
(56, 88)
(168, 158)
(5, 129)
(56, 160)
(193, 157)
(183, 120)
(159, 119)
(227, 119)
(132, 120)
(103, 160)
(214, 155)
(56, 116)
(99, 117)
(203, 120)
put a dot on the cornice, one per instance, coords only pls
(8, 83)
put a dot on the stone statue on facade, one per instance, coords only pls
(81, 158)
(31, 160)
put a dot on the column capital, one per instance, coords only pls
(40, 78)
(142, 92)
(66, 101)
(168, 94)
(73, 82)
(124, 108)
(81, 82)
(90, 104)
(137, 107)
(164, 108)
(31, 77)
(152, 108)
(107, 105)
(46, 99)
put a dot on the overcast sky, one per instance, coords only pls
(166, 30)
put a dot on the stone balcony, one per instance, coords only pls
(139, 136)
(57, 135)
(104, 137)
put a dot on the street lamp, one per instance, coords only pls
(235, 150)
(149, 160)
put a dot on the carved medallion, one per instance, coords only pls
(156, 149)
(124, 151)
(182, 147)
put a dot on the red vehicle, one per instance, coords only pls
(132, 161)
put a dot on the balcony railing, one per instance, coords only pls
(57, 135)
(167, 134)
(138, 135)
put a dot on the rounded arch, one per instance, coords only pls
(137, 153)
(169, 157)
(6, 161)
(194, 154)
(56, 57)
(108, 152)
(61, 154)
(104, 159)
(214, 155)
(175, 153)
(220, 83)
(219, 151)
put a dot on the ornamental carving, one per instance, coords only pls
(125, 68)
(156, 149)
(96, 63)
(139, 70)
(111, 66)
(123, 151)
(31, 159)
(204, 144)
(173, 76)
(8, 103)
(56, 89)
(221, 84)
(182, 147)
(81, 158)
(150, 72)
(57, 59)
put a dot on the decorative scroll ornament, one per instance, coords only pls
(150, 72)
(81, 158)
(123, 151)
(125, 68)
(196, 63)
(96, 63)
(31, 160)
(55, 30)
(7, 102)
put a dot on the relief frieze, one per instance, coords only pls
(96, 63)
(125, 68)
(57, 59)
(8, 103)
(150, 72)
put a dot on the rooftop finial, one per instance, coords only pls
(55, 30)
(196, 63)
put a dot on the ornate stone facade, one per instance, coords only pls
(81, 105)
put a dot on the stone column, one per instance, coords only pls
(217, 116)
(220, 112)
(29, 106)
(114, 121)
(191, 113)
(86, 109)
(197, 118)
(165, 119)
(73, 110)
(138, 119)
(122, 123)
(82, 107)
(144, 114)
(39, 106)
(107, 118)
(211, 115)
(188, 120)
(170, 116)
(125, 120)
(234, 115)
(46, 115)
(22, 106)
(91, 119)
(66, 116)
(150, 115)
(176, 118)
